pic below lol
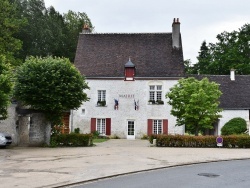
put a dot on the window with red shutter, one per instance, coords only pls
(108, 126)
(165, 126)
(93, 125)
(150, 127)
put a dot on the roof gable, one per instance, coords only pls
(104, 55)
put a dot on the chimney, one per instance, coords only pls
(232, 74)
(176, 33)
(85, 29)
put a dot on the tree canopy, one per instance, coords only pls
(52, 85)
(232, 51)
(195, 104)
(9, 26)
(48, 32)
(5, 87)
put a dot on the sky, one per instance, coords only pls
(200, 19)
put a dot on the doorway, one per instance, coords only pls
(131, 129)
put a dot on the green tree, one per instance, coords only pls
(195, 103)
(74, 23)
(232, 50)
(5, 87)
(204, 59)
(48, 32)
(52, 85)
(9, 25)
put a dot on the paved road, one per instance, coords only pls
(228, 174)
(51, 167)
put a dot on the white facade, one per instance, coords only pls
(230, 114)
(127, 93)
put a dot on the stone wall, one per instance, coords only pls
(9, 125)
(26, 129)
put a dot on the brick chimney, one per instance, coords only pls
(176, 33)
(86, 29)
(232, 74)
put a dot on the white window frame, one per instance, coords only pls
(101, 126)
(155, 92)
(157, 126)
(101, 95)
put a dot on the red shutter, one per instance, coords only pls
(108, 126)
(165, 126)
(93, 125)
(150, 127)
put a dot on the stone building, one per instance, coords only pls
(128, 75)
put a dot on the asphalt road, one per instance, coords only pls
(227, 174)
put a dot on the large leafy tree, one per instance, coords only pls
(9, 25)
(48, 32)
(232, 50)
(74, 23)
(195, 104)
(52, 85)
(5, 87)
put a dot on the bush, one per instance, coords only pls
(234, 126)
(72, 139)
(240, 141)
(77, 130)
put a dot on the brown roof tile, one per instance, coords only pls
(104, 55)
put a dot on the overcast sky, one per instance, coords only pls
(200, 19)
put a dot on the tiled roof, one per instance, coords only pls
(104, 55)
(235, 94)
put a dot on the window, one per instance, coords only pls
(155, 93)
(101, 95)
(101, 126)
(157, 126)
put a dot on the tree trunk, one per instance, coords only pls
(196, 130)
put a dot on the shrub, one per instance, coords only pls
(234, 126)
(77, 130)
(95, 134)
(240, 141)
(72, 139)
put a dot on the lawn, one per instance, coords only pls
(99, 140)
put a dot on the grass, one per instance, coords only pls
(99, 140)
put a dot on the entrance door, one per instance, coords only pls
(131, 129)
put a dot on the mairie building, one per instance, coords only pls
(129, 75)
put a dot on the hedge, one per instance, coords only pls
(72, 140)
(237, 141)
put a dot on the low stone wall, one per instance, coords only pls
(9, 125)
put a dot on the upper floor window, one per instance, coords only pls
(155, 93)
(101, 95)
(101, 101)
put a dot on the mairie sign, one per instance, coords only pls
(127, 96)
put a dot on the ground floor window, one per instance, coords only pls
(101, 126)
(157, 126)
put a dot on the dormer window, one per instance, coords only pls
(129, 71)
